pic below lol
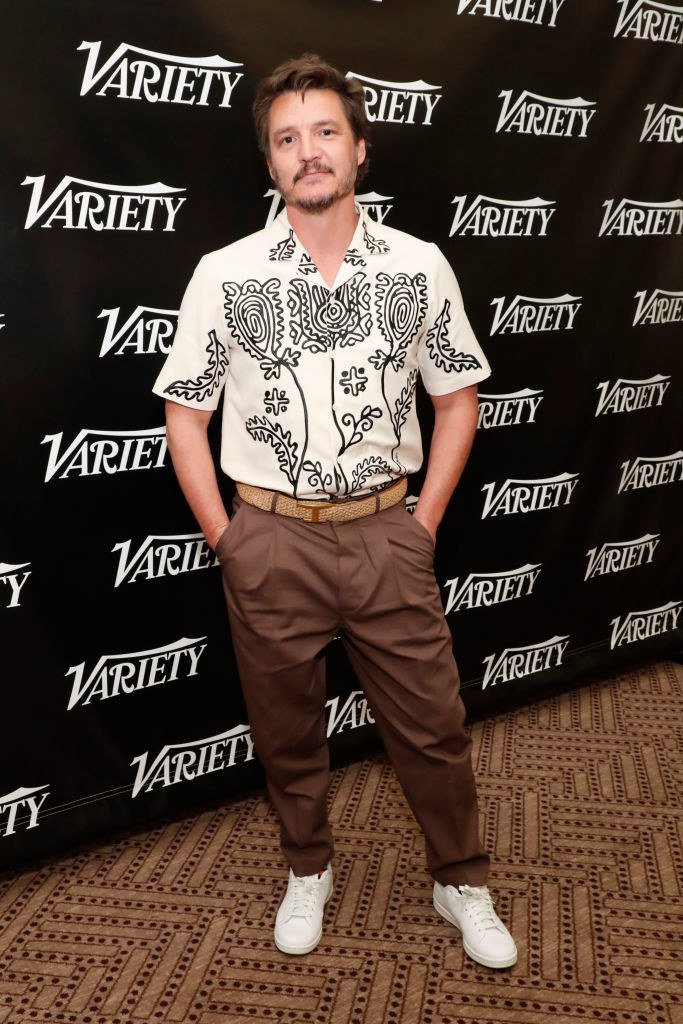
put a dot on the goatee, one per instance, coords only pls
(316, 204)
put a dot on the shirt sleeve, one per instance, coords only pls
(449, 355)
(196, 368)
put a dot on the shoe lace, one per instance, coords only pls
(303, 896)
(480, 905)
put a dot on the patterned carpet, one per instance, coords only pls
(578, 797)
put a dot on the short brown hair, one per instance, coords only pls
(309, 71)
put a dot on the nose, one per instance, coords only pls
(308, 147)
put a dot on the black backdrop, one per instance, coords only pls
(538, 143)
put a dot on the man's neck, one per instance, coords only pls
(327, 235)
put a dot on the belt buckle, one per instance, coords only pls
(309, 513)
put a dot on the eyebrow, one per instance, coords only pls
(327, 122)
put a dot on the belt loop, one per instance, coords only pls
(273, 501)
(376, 502)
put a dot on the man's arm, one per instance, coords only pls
(455, 424)
(186, 433)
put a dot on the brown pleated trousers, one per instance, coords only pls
(290, 588)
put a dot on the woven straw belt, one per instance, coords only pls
(323, 512)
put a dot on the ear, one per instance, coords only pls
(360, 151)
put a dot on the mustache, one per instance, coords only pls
(314, 165)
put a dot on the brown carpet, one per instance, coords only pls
(578, 798)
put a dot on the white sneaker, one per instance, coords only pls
(299, 921)
(484, 936)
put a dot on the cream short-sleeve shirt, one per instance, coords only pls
(319, 382)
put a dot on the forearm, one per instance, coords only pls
(188, 444)
(455, 424)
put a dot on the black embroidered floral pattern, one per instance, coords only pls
(374, 245)
(253, 312)
(441, 349)
(365, 470)
(321, 319)
(316, 478)
(274, 434)
(401, 303)
(285, 249)
(306, 265)
(275, 401)
(381, 358)
(405, 401)
(353, 380)
(355, 258)
(203, 386)
(402, 407)
(361, 425)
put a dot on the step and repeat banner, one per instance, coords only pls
(538, 143)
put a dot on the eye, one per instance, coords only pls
(327, 131)
(286, 139)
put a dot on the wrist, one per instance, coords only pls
(430, 522)
(215, 532)
(427, 515)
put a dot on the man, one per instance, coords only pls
(317, 328)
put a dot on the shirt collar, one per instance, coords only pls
(366, 241)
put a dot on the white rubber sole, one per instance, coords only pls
(301, 950)
(477, 957)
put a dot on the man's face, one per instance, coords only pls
(313, 156)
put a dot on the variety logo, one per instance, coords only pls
(642, 625)
(184, 762)
(633, 217)
(662, 124)
(136, 74)
(629, 395)
(126, 673)
(275, 204)
(645, 472)
(80, 204)
(480, 590)
(106, 451)
(517, 662)
(659, 307)
(15, 805)
(534, 12)
(378, 206)
(147, 331)
(398, 102)
(621, 555)
(13, 578)
(533, 114)
(160, 556)
(526, 315)
(501, 218)
(506, 410)
(353, 713)
(528, 495)
(650, 19)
